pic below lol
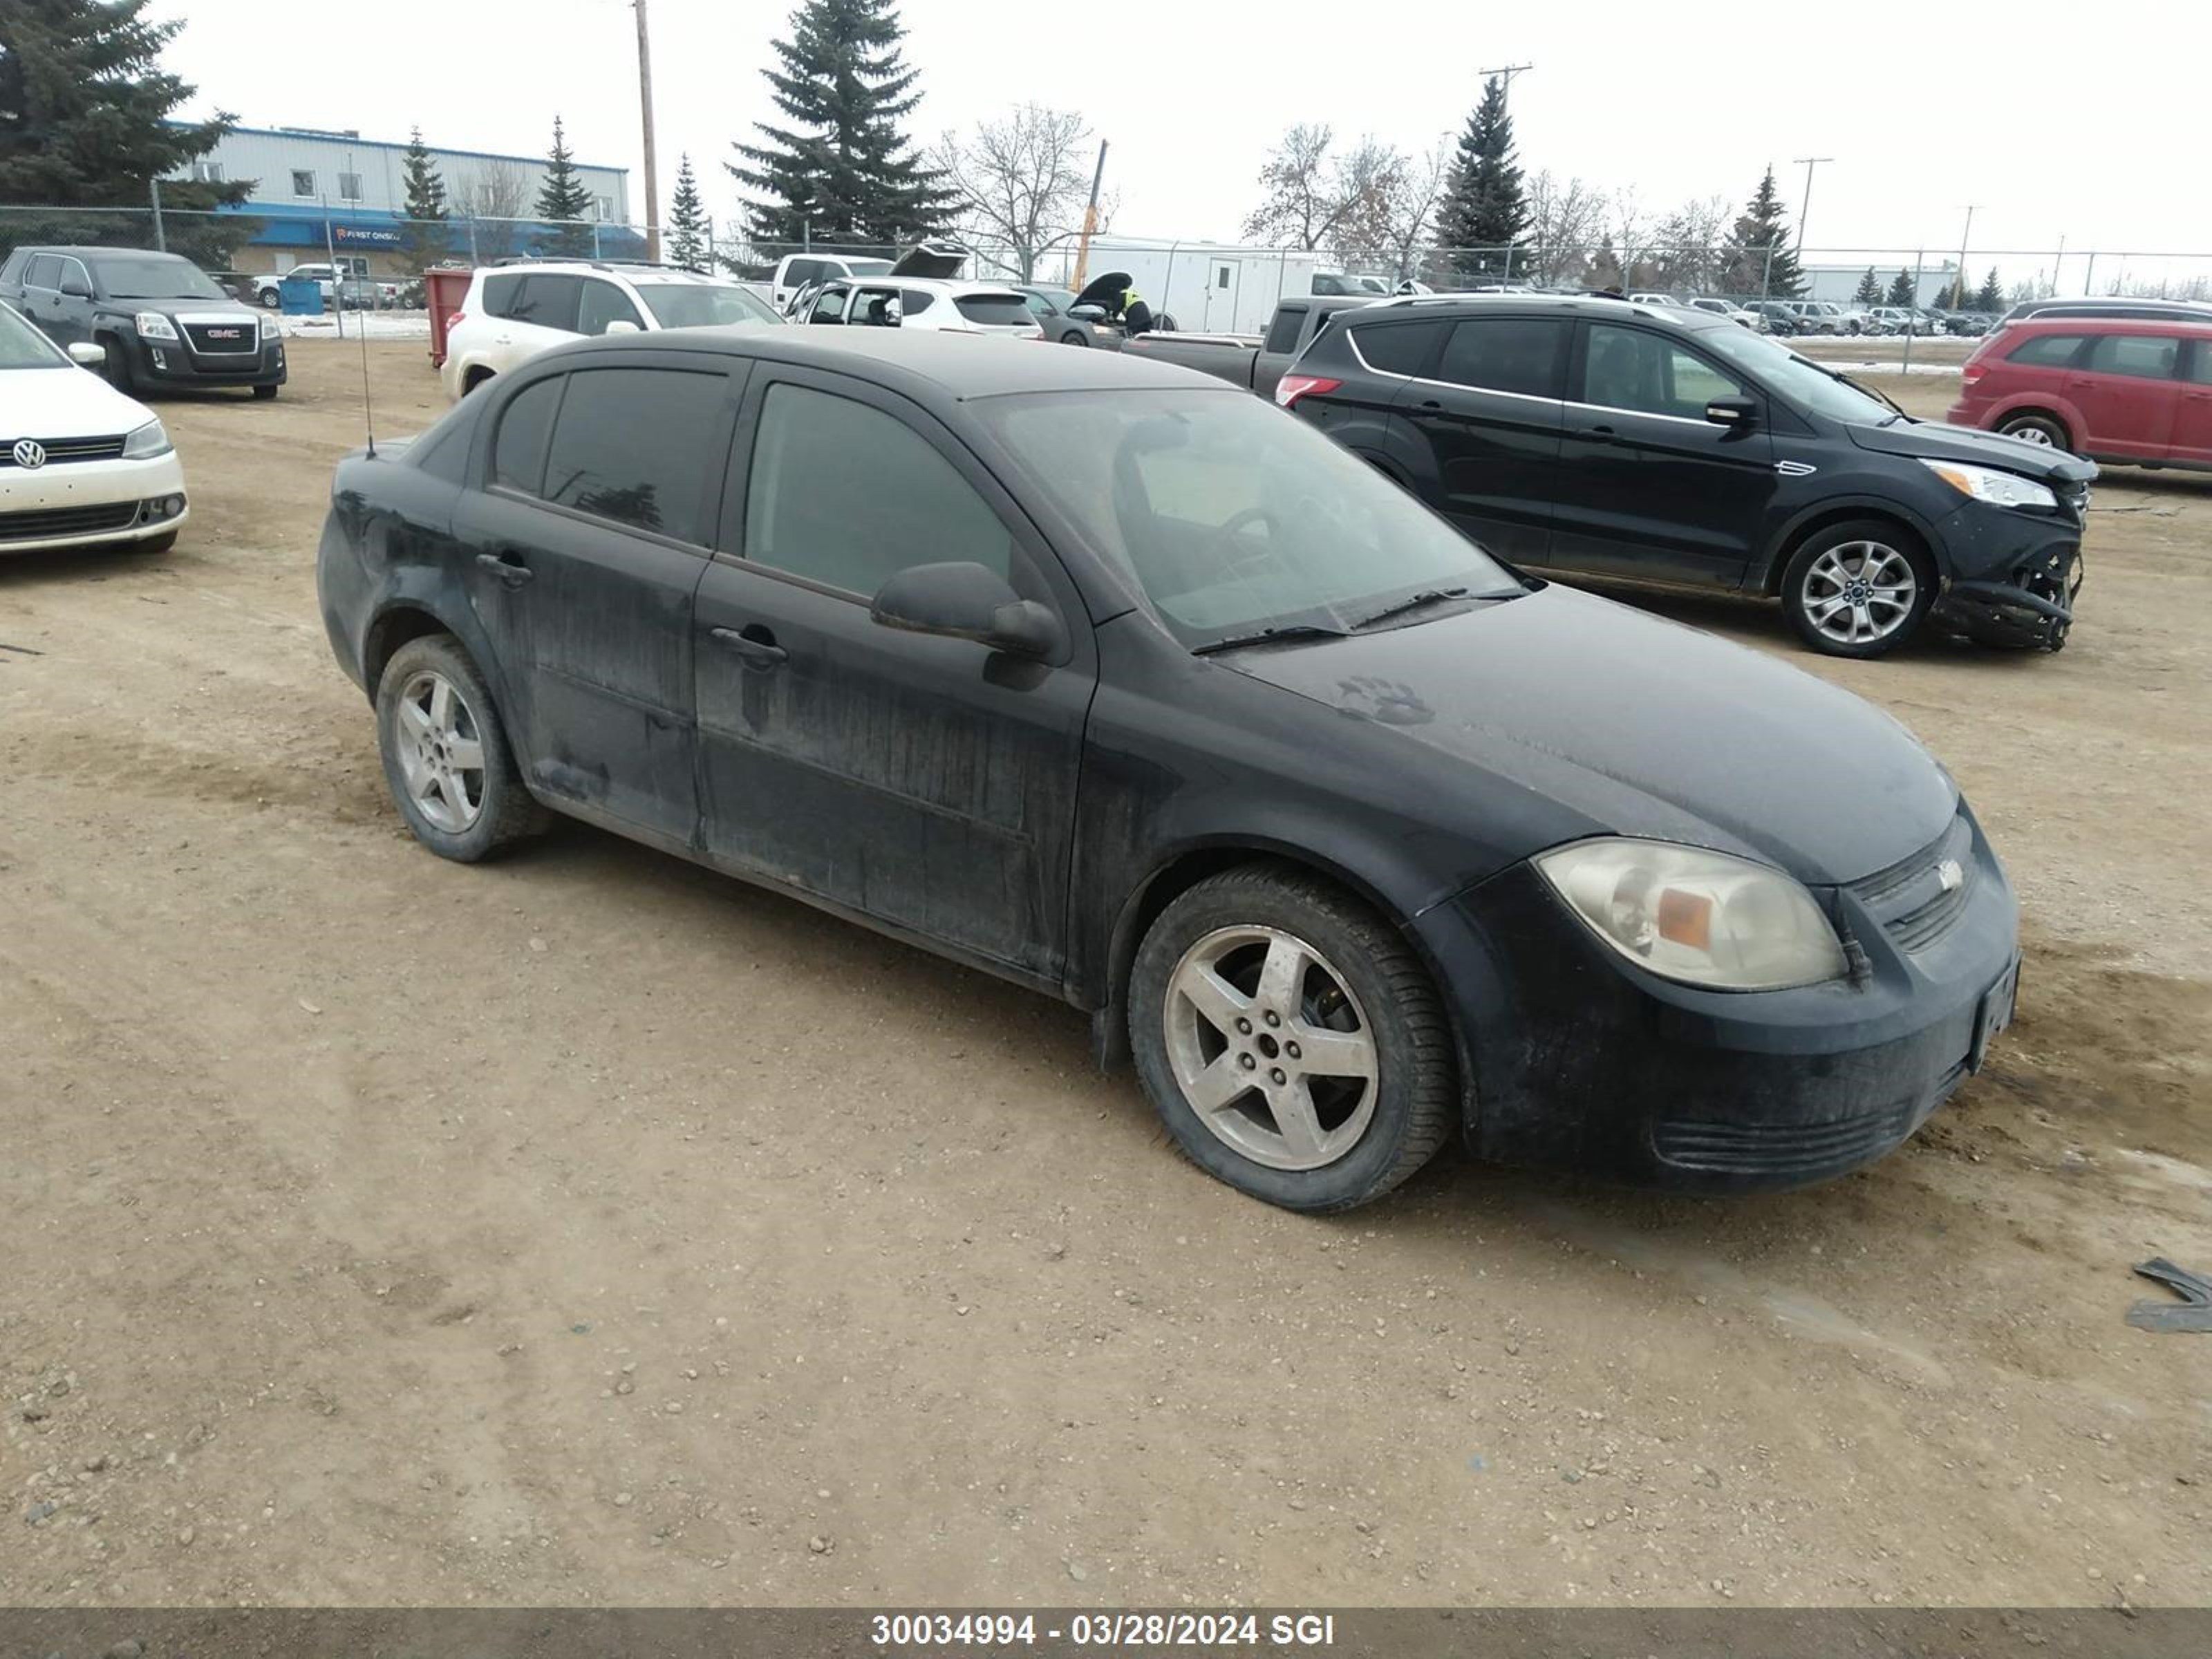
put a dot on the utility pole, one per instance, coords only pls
(645, 105)
(1509, 70)
(1091, 223)
(1959, 283)
(1807, 162)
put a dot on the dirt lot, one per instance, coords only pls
(587, 1228)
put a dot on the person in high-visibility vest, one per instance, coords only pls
(1136, 315)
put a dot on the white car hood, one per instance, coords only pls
(65, 403)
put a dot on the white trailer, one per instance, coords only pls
(1206, 287)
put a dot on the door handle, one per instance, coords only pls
(509, 570)
(755, 643)
(1601, 434)
(1432, 403)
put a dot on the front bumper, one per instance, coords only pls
(1575, 1060)
(90, 503)
(2015, 575)
(173, 363)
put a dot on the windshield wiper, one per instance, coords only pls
(1269, 636)
(1427, 596)
(1842, 378)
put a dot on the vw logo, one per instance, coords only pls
(1949, 875)
(29, 453)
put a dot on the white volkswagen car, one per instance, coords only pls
(80, 464)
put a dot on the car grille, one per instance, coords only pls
(67, 521)
(1910, 899)
(1805, 1150)
(203, 338)
(59, 450)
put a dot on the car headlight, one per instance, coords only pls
(152, 325)
(271, 329)
(1984, 485)
(1701, 917)
(148, 441)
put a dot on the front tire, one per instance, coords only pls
(1073, 338)
(1291, 1040)
(263, 393)
(1858, 589)
(447, 760)
(115, 368)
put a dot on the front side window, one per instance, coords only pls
(2046, 350)
(803, 516)
(829, 307)
(518, 450)
(603, 303)
(1520, 355)
(1227, 516)
(1632, 369)
(303, 181)
(632, 446)
(2138, 357)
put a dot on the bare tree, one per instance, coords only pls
(1567, 222)
(1369, 178)
(1313, 200)
(492, 195)
(1022, 181)
(1685, 255)
(1414, 204)
(1629, 231)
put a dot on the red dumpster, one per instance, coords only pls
(443, 290)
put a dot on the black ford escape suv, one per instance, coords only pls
(1591, 437)
(163, 321)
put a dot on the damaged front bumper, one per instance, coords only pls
(2031, 609)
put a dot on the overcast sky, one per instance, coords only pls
(2088, 127)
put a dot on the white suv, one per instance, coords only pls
(514, 311)
(918, 302)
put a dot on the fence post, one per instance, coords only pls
(1766, 276)
(1508, 262)
(1913, 327)
(2089, 275)
(160, 238)
(474, 258)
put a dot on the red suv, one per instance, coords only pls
(2129, 390)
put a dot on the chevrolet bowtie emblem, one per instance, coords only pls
(1950, 875)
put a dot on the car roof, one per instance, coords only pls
(943, 287)
(2189, 327)
(79, 251)
(956, 366)
(1571, 305)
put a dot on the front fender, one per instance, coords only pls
(1766, 572)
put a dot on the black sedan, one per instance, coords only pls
(1115, 680)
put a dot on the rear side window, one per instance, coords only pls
(872, 308)
(1506, 354)
(2140, 356)
(800, 272)
(45, 271)
(1398, 349)
(916, 301)
(1283, 332)
(803, 516)
(2200, 363)
(634, 445)
(12, 270)
(548, 301)
(2045, 350)
(499, 294)
(518, 451)
(993, 310)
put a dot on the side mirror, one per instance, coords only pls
(75, 287)
(1731, 411)
(1088, 313)
(965, 601)
(623, 325)
(86, 354)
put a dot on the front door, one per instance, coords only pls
(585, 552)
(1488, 416)
(1649, 488)
(927, 782)
(2126, 390)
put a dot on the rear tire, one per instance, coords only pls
(1352, 1080)
(1858, 589)
(446, 759)
(2037, 428)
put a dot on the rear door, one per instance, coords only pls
(2127, 387)
(927, 782)
(1489, 415)
(585, 548)
(2192, 416)
(1648, 486)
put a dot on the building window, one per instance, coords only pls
(207, 172)
(603, 208)
(303, 181)
(350, 186)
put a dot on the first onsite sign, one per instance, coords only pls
(368, 235)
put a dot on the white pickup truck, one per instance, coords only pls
(343, 288)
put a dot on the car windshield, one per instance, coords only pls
(1231, 517)
(22, 346)
(1799, 379)
(701, 305)
(153, 276)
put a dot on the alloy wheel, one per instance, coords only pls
(1860, 592)
(1270, 1048)
(2031, 433)
(440, 749)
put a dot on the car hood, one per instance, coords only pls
(1642, 726)
(1106, 290)
(1935, 441)
(65, 403)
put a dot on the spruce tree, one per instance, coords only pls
(84, 104)
(1870, 291)
(423, 236)
(1484, 212)
(562, 201)
(1990, 296)
(687, 221)
(1901, 291)
(840, 171)
(1758, 259)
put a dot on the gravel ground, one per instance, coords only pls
(589, 1229)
